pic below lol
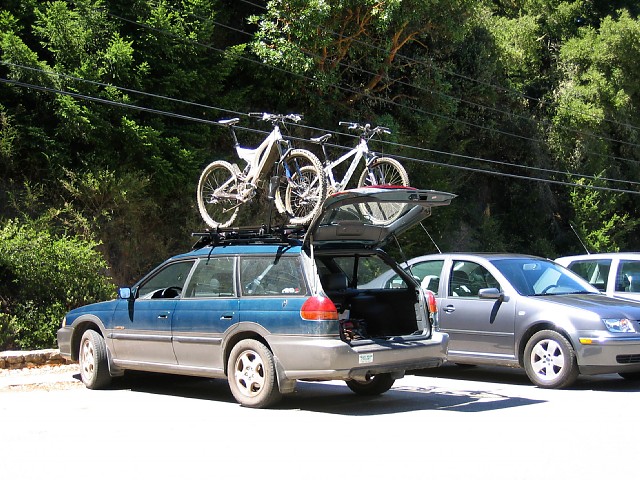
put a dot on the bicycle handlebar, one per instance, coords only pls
(366, 129)
(274, 117)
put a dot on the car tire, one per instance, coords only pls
(94, 364)
(376, 385)
(251, 373)
(550, 360)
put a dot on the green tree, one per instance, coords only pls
(44, 276)
(594, 128)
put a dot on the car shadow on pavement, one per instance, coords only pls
(328, 397)
(337, 399)
(517, 376)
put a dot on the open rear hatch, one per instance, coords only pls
(345, 237)
(369, 216)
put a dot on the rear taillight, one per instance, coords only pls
(319, 308)
(431, 301)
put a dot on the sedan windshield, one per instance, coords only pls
(530, 276)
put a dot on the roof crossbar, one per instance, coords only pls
(287, 235)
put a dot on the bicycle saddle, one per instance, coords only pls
(321, 139)
(229, 122)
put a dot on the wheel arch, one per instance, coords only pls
(81, 325)
(535, 328)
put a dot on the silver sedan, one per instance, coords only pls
(525, 311)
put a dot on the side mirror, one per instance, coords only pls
(124, 293)
(491, 293)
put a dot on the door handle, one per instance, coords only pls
(226, 317)
(449, 308)
(163, 316)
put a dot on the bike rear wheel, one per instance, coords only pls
(306, 186)
(218, 194)
(383, 171)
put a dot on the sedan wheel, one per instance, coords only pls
(550, 360)
(251, 373)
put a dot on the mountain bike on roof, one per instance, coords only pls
(378, 170)
(300, 183)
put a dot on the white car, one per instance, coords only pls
(616, 274)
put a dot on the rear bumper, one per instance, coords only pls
(327, 358)
(611, 354)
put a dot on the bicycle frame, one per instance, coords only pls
(258, 159)
(360, 151)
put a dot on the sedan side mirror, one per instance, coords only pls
(491, 293)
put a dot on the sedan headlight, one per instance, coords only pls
(619, 325)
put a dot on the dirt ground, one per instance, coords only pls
(47, 377)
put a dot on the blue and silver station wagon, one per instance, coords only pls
(267, 309)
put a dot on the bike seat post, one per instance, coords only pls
(234, 137)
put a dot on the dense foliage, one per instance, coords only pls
(43, 277)
(528, 110)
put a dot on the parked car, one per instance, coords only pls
(615, 274)
(266, 310)
(525, 311)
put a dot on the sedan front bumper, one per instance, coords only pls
(608, 354)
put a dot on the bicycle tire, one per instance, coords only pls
(218, 177)
(306, 189)
(383, 171)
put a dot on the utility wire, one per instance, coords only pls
(354, 91)
(200, 120)
(455, 74)
(200, 105)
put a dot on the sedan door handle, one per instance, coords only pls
(449, 308)
(163, 316)
(226, 317)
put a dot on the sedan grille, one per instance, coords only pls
(628, 358)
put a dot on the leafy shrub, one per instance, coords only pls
(41, 278)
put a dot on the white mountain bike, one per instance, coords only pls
(377, 171)
(295, 174)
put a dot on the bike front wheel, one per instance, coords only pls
(306, 186)
(218, 199)
(383, 171)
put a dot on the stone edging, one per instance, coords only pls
(29, 359)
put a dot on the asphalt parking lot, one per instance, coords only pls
(474, 423)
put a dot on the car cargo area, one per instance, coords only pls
(371, 313)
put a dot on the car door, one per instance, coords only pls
(208, 308)
(142, 325)
(477, 327)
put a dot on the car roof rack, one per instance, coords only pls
(283, 235)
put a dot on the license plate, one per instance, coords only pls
(366, 358)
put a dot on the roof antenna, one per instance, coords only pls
(430, 238)
(580, 239)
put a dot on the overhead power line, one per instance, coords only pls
(211, 122)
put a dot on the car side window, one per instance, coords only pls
(260, 276)
(429, 274)
(166, 283)
(466, 279)
(628, 276)
(596, 272)
(212, 277)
